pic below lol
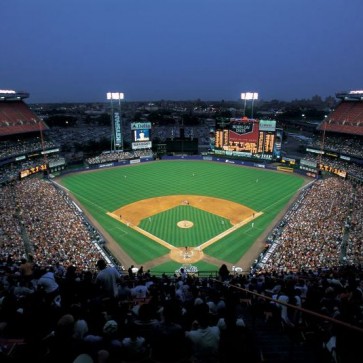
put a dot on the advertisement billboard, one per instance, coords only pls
(141, 135)
(117, 128)
(278, 143)
(267, 125)
(246, 132)
(140, 125)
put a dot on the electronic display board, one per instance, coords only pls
(246, 136)
(32, 170)
(141, 135)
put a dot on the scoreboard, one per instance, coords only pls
(221, 138)
(32, 170)
(141, 135)
(266, 142)
(332, 169)
(257, 138)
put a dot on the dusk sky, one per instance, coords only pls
(78, 50)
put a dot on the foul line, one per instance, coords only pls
(228, 231)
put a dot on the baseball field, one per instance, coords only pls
(165, 214)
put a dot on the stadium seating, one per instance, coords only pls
(347, 119)
(17, 118)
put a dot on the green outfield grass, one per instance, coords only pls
(106, 190)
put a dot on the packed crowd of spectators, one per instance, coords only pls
(351, 168)
(103, 316)
(119, 156)
(14, 148)
(343, 145)
(355, 243)
(40, 220)
(65, 316)
(11, 240)
(11, 172)
(321, 230)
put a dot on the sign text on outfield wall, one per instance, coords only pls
(135, 161)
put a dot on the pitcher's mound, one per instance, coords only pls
(185, 224)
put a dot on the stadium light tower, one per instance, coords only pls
(244, 98)
(116, 119)
(249, 96)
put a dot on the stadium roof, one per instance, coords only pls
(8, 95)
(350, 96)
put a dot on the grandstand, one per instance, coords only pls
(347, 118)
(15, 116)
(338, 148)
(23, 149)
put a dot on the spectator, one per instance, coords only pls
(134, 347)
(131, 272)
(27, 268)
(107, 280)
(204, 338)
(168, 341)
(48, 287)
(223, 273)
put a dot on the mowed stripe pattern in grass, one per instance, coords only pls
(107, 190)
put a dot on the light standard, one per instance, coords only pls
(254, 97)
(116, 120)
(249, 96)
(244, 98)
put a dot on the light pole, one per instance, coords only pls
(244, 98)
(247, 96)
(254, 97)
(116, 120)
